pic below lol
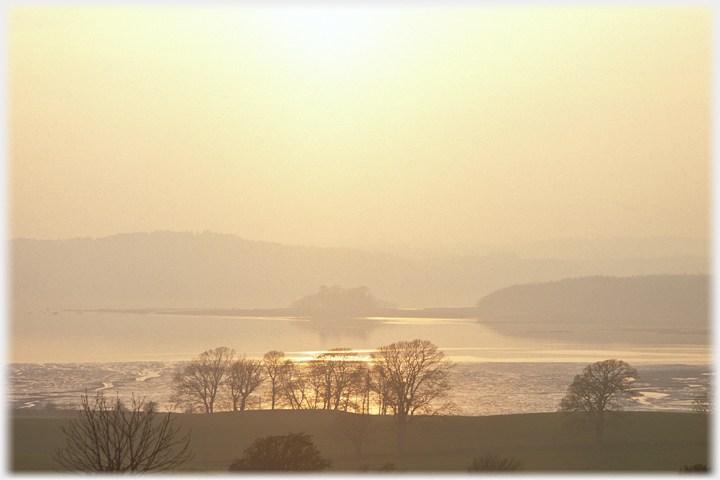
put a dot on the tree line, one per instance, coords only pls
(401, 379)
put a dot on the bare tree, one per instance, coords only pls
(108, 437)
(197, 385)
(244, 376)
(332, 380)
(342, 376)
(316, 379)
(297, 388)
(274, 363)
(412, 377)
(702, 403)
(601, 387)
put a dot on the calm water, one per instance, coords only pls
(64, 337)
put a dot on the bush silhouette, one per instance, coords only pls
(386, 467)
(494, 463)
(294, 452)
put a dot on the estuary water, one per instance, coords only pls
(478, 388)
(522, 368)
(81, 337)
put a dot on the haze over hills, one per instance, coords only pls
(642, 310)
(681, 299)
(189, 270)
(565, 248)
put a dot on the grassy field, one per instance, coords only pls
(637, 441)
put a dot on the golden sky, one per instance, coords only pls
(360, 126)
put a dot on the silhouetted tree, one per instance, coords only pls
(108, 437)
(412, 377)
(296, 388)
(332, 380)
(702, 403)
(274, 363)
(294, 452)
(198, 383)
(601, 387)
(494, 463)
(339, 379)
(244, 376)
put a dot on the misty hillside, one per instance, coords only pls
(186, 270)
(653, 298)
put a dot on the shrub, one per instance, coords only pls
(386, 467)
(494, 463)
(294, 452)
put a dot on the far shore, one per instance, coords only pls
(431, 312)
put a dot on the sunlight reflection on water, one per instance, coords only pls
(112, 336)
(478, 388)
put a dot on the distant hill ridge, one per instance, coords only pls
(602, 298)
(210, 270)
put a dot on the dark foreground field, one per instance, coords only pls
(639, 441)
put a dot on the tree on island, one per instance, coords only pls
(294, 452)
(197, 385)
(336, 300)
(107, 436)
(411, 377)
(601, 387)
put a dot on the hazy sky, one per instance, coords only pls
(361, 126)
